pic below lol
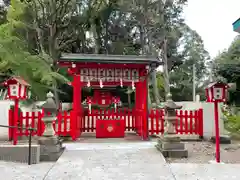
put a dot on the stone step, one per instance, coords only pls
(167, 146)
(51, 157)
(19, 153)
(173, 153)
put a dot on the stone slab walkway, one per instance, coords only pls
(122, 164)
(205, 171)
(18, 171)
(113, 161)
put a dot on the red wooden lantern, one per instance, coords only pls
(17, 88)
(216, 92)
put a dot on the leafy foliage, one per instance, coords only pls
(233, 123)
(36, 32)
(227, 65)
(15, 59)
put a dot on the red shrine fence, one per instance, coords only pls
(188, 122)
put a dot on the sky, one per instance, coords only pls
(213, 19)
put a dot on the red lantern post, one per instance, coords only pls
(216, 92)
(17, 90)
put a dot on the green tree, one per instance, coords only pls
(15, 59)
(227, 65)
(194, 54)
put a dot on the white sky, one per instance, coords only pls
(213, 19)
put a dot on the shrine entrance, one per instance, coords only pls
(103, 109)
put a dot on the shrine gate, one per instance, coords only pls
(103, 71)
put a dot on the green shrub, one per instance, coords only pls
(233, 123)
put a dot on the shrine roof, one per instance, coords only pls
(18, 79)
(110, 59)
(216, 83)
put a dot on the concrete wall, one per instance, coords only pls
(4, 107)
(208, 115)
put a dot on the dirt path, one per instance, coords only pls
(203, 152)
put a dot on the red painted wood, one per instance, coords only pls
(66, 117)
(109, 128)
(186, 122)
(11, 123)
(217, 134)
(33, 123)
(76, 124)
(16, 108)
(200, 121)
(177, 122)
(59, 123)
(20, 123)
(40, 124)
(191, 122)
(158, 121)
(181, 121)
(196, 124)
(27, 117)
(151, 115)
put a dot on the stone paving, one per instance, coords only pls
(205, 171)
(18, 171)
(113, 161)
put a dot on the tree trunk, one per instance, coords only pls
(155, 88)
(95, 37)
(165, 69)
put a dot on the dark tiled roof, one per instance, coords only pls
(102, 58)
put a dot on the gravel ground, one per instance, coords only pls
(203, 152)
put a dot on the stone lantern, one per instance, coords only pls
(50, 145)
(170, 143)
(170, 115)
(50, 113)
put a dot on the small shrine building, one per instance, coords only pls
(100, 71)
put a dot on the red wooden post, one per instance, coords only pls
(177, 119)
(20, 121)
(196, 120)
(191, 122)
(144, 103)
(33, 123)
(186, 122)
(16, 106)
(93, 120)
(11, 123)
(27, 123)
(65, 123)
(76, 106)
(137, 106)
(40, 127)
(152, 116)
(59, 123)
(181, 121)
(161, 114)
(200, 118)
(158, 120)
(217, 138)
(88, 120)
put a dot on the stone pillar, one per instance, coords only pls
(170, 143)
(50, 145)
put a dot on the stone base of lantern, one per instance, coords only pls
(170, 146)
(50, 148)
